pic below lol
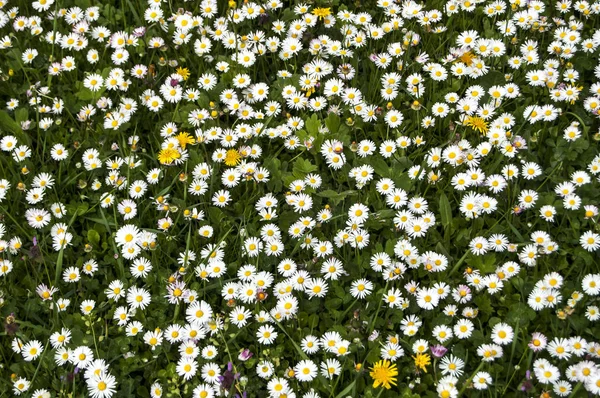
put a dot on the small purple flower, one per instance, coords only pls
(71, 375)
(26, 124)
(139, 32)
(527, 384)
(35, 251)
(374, 335)
(245, 355)
(263, 18)
(438, 351)
(174, 82)
(228, 377)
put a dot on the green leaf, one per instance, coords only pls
(407, 393)
(215, 215)
(302, 135)
(488, 265)
(333, 304)
(21, 115)
(484, 304)
(445, 210)
(303, 167)
(83, 93)
(100, 221)
(492, 79)
(380, 166)
(93, 237)
(82, 208)
(296, 346)
(520, 312)
(134, 12)
(142, 391)
(333, 123)
(335, 197)
(312, 125)
(344, 393)
(515, 231)
(7, 123)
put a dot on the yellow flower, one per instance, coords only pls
(232, 157)
(384, 373)
(321, 12)
(183, 72)
(477, 123)
(184, 139)
(422, 360)
(467, 58)
(168, 155)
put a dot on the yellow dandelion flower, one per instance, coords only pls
(183, 72)
(232, 157)
(168, 155)
(384, 373)
(477, 123)
(422, 360)
(321, 12)
(467, 58)
(185, 138)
